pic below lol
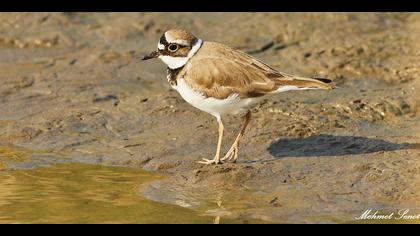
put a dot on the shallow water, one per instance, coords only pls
(83, 193)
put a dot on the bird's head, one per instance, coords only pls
(175, 48)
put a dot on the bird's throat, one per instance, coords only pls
(172, 75)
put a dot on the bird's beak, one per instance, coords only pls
(152, 55)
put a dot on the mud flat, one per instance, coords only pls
(74, 90)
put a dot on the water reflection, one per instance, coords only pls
(81, 193)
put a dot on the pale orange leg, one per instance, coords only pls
(216, 159)
(232, 154)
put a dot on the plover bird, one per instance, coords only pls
(221, 80)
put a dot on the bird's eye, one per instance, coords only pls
(173, 47)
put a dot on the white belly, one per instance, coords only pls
(231, 105)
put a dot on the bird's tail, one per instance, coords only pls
(302, 83)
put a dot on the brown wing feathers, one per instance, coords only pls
(220, 76)
(286, 79)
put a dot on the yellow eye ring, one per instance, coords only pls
(173, 47)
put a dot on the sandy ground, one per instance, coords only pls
(73, 89)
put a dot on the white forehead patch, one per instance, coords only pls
(170, 39)
(180, 42)
(161, 46)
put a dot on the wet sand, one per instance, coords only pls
(74, 90)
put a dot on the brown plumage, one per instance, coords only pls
(219, 71)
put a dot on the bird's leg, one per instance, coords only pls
(216, 159)
(232, 154)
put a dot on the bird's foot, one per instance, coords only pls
(210, 162)
(232, 154)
